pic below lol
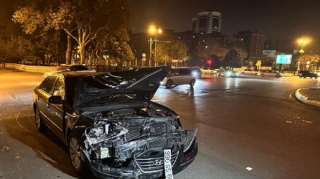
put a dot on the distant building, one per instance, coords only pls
(207, 22)
(282, 46)
(254, 42)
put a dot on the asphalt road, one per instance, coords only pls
(249, 128)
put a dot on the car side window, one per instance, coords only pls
(47, 85)
(176, 73)
(78, 67)
(59, 88)
(186, 72)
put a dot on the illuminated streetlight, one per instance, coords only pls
(154, 31)
(302, 42)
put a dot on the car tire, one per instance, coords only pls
(304, 77)
(169, 84)
(278, 76)
(300, 76)
(39, 123)
(192, 82)
(75, 154)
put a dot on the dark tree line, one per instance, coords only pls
(79, 30)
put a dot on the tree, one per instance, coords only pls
(169, 50)
(232, 59)
(163, 53)
(17, 49)
(217, 48)
(211, 47)
(311, 60)
(114, 40)
(33, 16)
(82, 20)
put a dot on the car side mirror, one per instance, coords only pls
(55, 100)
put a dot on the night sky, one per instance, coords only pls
(277, 19)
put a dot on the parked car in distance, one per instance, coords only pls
(180, 76)
(307, 73)
(207, 70)
(229, 73)
(270, 73)
(74, 68)
(111, 126)
(250, 72)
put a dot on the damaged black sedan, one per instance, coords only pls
(111, 126)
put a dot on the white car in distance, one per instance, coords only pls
(270, 73)
(207, 70)
(250, 72)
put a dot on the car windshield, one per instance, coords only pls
(105, 99)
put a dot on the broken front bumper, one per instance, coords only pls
(180, 160)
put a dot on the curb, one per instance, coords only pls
(305, 99)
(300, 96)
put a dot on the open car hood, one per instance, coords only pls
(142, 82)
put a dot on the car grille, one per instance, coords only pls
(150, 164)
(137, 131)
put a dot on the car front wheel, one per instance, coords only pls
(192, 82)
(169, 84)
(75, 154)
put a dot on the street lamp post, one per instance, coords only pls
(150, 41)
(302, 42)
(155, 31)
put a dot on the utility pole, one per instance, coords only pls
(150, 41)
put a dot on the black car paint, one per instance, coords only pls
(307, 73)
(72, 118)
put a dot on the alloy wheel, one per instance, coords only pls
(37, 119)
(75, 154)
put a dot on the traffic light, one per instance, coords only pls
(209, 62)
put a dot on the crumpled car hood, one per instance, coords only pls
(143, 82)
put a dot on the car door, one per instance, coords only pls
(180, 76)
(57, 110)
(43, 94)
(176, 78)
(186, 75)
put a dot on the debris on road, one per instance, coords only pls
(288, 122)
(309, 122)
(249, 168)
(5, 148)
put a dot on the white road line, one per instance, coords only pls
(24, 127)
